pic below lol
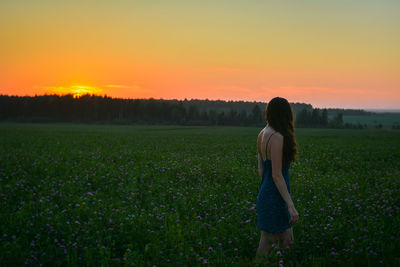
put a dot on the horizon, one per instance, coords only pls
(327, 54)
(377, 110)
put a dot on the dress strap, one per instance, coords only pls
(266, 147)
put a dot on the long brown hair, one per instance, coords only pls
(279, 115)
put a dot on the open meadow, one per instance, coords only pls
(103, 195)
(387, 120)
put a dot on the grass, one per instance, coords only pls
(164, 195)
(387, 120)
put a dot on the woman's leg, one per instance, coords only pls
(265, 244)
(285, 238)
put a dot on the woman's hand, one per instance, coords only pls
(294, 215)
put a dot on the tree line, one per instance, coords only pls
(319, 118)
(104, 109)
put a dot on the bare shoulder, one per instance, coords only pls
(260, 135)
(260, 138)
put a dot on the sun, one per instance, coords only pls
(75, 90)
(80, 90)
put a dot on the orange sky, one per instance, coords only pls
(337, 54)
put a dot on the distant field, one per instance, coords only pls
(387, 120)
(120, 195)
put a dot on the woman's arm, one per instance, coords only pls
(276, 158)
(260, 168)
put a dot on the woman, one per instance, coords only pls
(276, 146)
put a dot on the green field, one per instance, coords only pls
(74, 195)
(387, 120)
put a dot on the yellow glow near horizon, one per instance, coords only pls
(76, 90)
(79, 90)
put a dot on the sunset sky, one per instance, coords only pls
(327, 53)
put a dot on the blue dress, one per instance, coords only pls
(272, 211)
